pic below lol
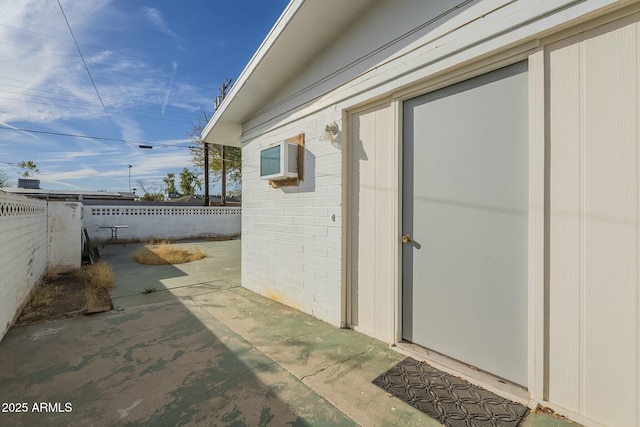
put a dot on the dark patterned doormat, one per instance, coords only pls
(449, 399)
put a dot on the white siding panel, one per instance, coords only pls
(610, 223)
(593, 269)
(372, 218)
(564, 244)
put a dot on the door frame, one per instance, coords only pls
(507, 357)
(534, 53)
(536, 184)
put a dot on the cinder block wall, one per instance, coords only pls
(291, 236)
(23, 252)
(163, 222)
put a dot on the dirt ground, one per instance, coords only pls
(58, 298)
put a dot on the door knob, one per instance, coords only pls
(406, 238)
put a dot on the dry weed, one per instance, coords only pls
(98, 279)
(43, 294)
(155, 242)
(165, 253)
(98, 275)
(91, 298)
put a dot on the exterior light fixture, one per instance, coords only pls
(330, 133)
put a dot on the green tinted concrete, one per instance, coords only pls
(200, 351)
(218, 271)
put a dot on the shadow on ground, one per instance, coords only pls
(159, 359)
(199, 351)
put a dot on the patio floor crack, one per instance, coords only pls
(302, 378)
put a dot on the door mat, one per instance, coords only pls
(449, 399)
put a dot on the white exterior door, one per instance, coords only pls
(465, 207)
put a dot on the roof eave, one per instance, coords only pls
(228, 132)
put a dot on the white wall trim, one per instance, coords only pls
(396, 105)
(536, 252)
(345, 308)
(452, 52)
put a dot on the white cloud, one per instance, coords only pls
(44, 86)
(166, 97)
(47, 81)
(157, 19)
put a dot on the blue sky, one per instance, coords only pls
(157, 66)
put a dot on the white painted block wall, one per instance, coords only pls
(23, 252)
(180, 222)
(291, 236)
(64, 235)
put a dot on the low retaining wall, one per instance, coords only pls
(23, 252)
(163, 222)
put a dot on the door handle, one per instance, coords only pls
(406, 238)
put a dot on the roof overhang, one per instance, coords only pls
(302, 31)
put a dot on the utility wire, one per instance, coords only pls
(107, 66)
(87, 68)
(74, 99)
(62, 55)
(100, 138)
(77, 105)
(70, 134)
(117, 52)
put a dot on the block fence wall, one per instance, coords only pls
(162, 222)
(23, 252)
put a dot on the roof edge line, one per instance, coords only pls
(273, 35)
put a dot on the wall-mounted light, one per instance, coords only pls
(330, 133)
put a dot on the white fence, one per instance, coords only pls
(162, 222)
(36, 235)
(23, 252)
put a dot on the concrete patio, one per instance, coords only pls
(199, 350)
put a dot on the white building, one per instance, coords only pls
(499, 140)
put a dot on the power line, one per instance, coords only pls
(48, 52)
(117, 52)
(76, 104)
(108, 67)
(70, 134)
(99, 138)
(36, 89)
(87, 68)
(171, 111)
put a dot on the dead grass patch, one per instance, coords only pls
(69, 294)
(98, 279)
(156, 242)
(98, 275)
(166, 253)
(44, 294)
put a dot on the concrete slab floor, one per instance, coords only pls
(198, 351)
